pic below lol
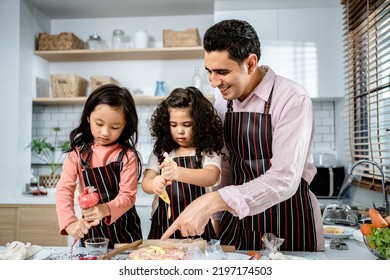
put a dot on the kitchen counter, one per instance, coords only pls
(142, 198)
(356, 251)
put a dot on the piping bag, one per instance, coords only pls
(86, 199)
(164, 196)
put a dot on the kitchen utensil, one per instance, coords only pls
(96, 246)
(346, 232)
(339, 214)
(120, 249)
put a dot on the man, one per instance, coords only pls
(269, 128)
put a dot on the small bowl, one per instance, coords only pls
(96, 246)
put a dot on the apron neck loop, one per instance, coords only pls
(230, 106)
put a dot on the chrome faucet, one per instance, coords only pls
(385, 200)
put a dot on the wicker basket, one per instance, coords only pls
(62, 41)
(186, 38)
(49, 181)
(68, 85)
(97, 81)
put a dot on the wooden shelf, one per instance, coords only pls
(139, 100)
(123, 54)
(145, 100)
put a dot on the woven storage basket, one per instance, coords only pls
(49, 181)
(62, 41)
(186, 38)
(68, 85)
(97, 81)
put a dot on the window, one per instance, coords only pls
(367, 86)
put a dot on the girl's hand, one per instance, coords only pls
(170, 168)
(78, 229)
(94, 214)
(158, 185)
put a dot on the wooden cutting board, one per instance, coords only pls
(178, 243)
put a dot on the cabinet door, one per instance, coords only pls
(39, 225)
(7, 225)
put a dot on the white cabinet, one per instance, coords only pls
(303, 44)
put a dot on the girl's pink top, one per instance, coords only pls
(71, 176)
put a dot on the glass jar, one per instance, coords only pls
(94, 42)
(118, 39)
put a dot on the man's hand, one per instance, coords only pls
(196, 215)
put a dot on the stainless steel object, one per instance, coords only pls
(385, 200)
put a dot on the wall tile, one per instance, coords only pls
(67, 117)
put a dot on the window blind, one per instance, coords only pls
(367, 86)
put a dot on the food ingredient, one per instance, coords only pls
(158, 253)
(376, 218)
(387, 219)
(365, 229)
(254, 254)
(379, 240)
(17, 250)
(164, 196)
(333, 230)
(88, 198)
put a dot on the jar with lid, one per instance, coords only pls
(95, 42)
(141, 39)
(118, 39)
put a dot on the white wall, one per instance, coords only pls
(15, 77)
(303, 44)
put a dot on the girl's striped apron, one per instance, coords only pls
(106, 180)
(248, 137)
(181, 194)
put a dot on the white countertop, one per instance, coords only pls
(356, 251)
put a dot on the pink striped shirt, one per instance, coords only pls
(293, 130)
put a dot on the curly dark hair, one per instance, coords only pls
(116, 97)
(237, 37)
(207, 130)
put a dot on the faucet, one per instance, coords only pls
(385, 200)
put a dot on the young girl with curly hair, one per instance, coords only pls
(103, 155)
(188, 138)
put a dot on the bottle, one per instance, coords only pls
(117, 39)
(33, 180)
(160, 88)
(197, 79)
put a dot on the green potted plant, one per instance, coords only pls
(50, 154)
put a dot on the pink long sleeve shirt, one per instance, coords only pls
(72, 173)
